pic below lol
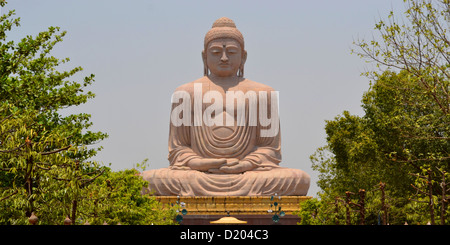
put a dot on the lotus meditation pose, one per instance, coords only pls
(224, 135)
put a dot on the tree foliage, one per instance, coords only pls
(116, 197)
(43, 153)
(45, 157)
(406, 126)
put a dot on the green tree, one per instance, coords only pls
(116, 197)
(406, 125)
(312, 213)
(43, 153)
(419, 51)
(45, 165)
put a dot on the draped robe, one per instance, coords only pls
(241, 140)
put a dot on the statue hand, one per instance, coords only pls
(239, 167)
(229, 162)
(204, 164)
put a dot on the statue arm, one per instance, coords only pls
(267, 153)
(179, 151)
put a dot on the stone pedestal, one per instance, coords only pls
(253, 209)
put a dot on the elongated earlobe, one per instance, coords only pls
(205, 70)
(241, 67)
(241, 71)
(205, 66)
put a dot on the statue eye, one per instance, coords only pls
(232, 50)
(216, 51)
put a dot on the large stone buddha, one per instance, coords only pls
(224, 135)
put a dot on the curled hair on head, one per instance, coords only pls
(224, 28)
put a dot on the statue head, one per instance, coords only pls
(224, 54)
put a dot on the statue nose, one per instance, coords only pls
(224, 57)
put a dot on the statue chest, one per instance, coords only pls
(228, 127)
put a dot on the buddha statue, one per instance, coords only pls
(224, 137)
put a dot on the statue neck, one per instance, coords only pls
(225, 82)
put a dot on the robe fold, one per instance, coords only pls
(238, 138)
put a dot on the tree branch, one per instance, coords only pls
(12, 150)
(6, 118)
(10, 195)
(55, 151)
(92, 179)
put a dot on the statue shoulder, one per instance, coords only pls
(256, 86)
(189, 87)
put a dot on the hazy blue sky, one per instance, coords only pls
(141, 50)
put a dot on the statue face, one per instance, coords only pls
(224, 57)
